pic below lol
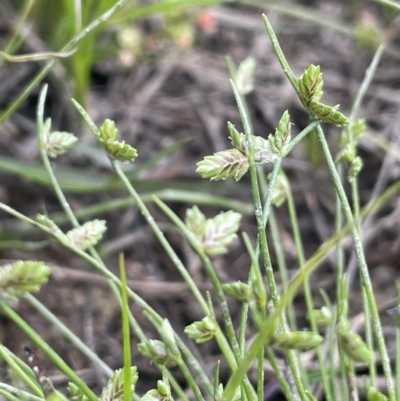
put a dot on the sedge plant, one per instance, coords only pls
(266, 306)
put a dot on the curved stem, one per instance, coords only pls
(364, 274)
(53, 356)
(262, 236)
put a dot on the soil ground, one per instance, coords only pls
(184, 94)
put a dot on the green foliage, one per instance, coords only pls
(213, 236)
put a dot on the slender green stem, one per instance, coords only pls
(308, 293)
(397, 360)
(369, 74)
(255, 280)
(16, 39)
(340, 261)
(160, 236)
(270, 195)
(72, 218)
(193, 384)
(178, 388)
(218, 290)
(368, 323)
(45, 159)
(299, 137)
(69, 46)
(110, 276)
(223, 304)
(21, 369)
(275, 171)
(260, 375)
(242, 328)
(175, 259)
(364, 274)
(256, 197)
(281, 57)
(15, 394)
(48, 351)
(268, 327)
(262, 237)
(68, 334)
(279, 373)
(281, 262)
(126, 338)
(174, 349)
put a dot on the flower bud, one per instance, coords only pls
(201, 331)
(157, 352)
(238, 290)
(352, 344)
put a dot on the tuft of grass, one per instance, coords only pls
(267, 307)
